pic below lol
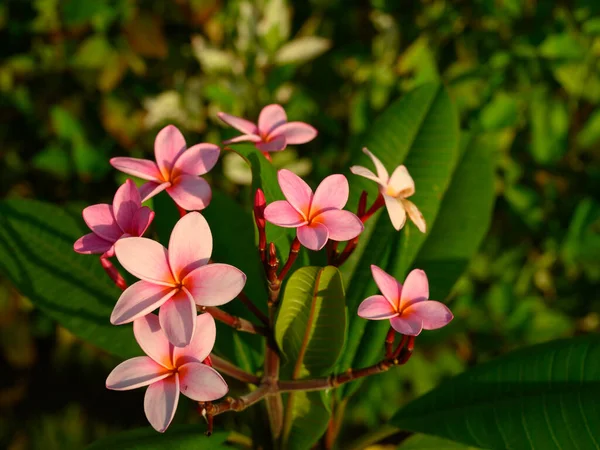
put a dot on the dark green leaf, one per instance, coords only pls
(425, 442)
(182, 437)
(309, 414)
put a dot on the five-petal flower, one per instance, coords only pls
(124, 218)
(169, 370)
(175, 279)
(319, 216)
(394, 189)
(407, 307)
(176, 169)
(273, 132)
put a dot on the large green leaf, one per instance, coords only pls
(311, 323)
(540, 397)
(36, 254)
(177, 437)
(426, 442)
(309, 414)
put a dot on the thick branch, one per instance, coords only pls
(233, 371)
(233, 321)
(234, 404)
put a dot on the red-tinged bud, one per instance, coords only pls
(259, 208)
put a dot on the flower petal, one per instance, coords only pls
(146, 259)
(376, 307)
(102, 222)
(433, 314)
(396, 211)
(197, 160)
(269, 118)
(153, 340)
(313, 236)
(387, 284)
(295, 132)
(282, 214)
(150, 189)
(401, 182)
(134, 373)
(142, 168)
(91, 244)
(201, 344)
(243, 138)
(141, 221)
(382, 173)
(332, 193)
(410, 326)
(416, 288)
(178, 318)
(126, 203)
(243, 125)
(190, 192)
(190, 245)
(342, 225)
(366, 173)
(415, 215)
(160, 402)
(168, 146)
(296, 191)
(139, 299)
(201, 382)
(215, 284)
(276, 144)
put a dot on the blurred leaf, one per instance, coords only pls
(549, 128)
(77, 13)
(94, 53)
(500, 113)
(582, 242)
(302, 50)
(426, 442)
(579, 80)
(538, 397)
(53, 159)
(177, 437)
(562, 46)
(145, 36)
(36, 254)
(590, 133)
(211, 59)
(309, 415)
(419, 61)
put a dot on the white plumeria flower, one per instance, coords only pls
(394, 189)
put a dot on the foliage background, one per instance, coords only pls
(84, 81)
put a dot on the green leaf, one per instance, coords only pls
(36, 255)
(425, 442)
(590, 134)
(549, 128)
(500, 113)
(543, 396)
(309, 414)
(182, 437)
(562, 46)
(311, 323)
(302, 50)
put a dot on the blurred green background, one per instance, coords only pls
(82, 81)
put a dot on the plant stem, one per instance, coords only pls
(233, 371)
(294, 249)
(233, 321)
(234, 404)
(253, 308)
(389, 342)
(113, 273)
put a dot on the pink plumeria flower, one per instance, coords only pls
(407, 307)
(169, 370)
(273, 132)
(175, 279)
(124, 218)
(176, 169)
(394, 189)
(317, 217)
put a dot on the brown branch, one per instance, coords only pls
(233, 371)
(208, 409)
(233, 321)
(294, 250)
(253, 308)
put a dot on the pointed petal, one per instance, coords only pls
(410, 326)
(102, 222)
(342, 225)
(141, 221)
(415, 215)
(190, 245)
(201, 383)
(396, 211)
(433, 314)
(376, 307)
(332, 193)
(382, 173)
(150, 189)
(197, 160)
(134, 373)
(142, 168)
(295, 190)
(91, 244)
(295, 132)
(282, 214)
(269, 118)
(416, 288)
(243, 125)
(168, 146)
(160, 402)
(276, 144)
(153, 340)
(401, 182)
(215, 284)
(178, 318)
(387, 284)
(139, 299)
(366, 173)
(126, 203)
(190, 192)
(146, 259)
(202, 342)
(243, 138)
(313, 236)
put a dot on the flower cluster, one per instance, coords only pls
(182, 282)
